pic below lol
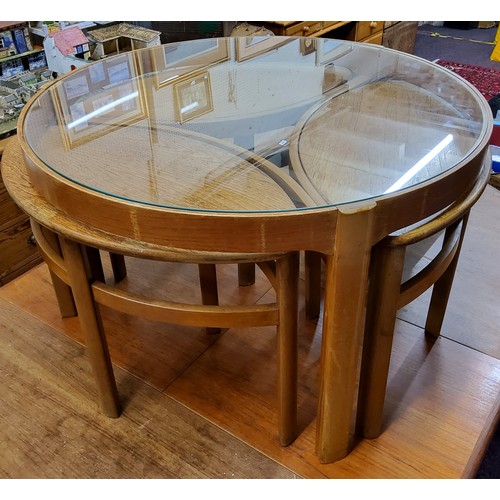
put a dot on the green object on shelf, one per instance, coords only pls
(209, 27)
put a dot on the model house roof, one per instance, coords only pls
(123, 30)
(66, 40)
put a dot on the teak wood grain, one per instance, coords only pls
(441, 397)
(63, 436)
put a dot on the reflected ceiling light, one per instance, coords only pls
(103, 109)
(420, 164)
(189, 107)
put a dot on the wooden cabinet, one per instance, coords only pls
(357, 31)
(301, 28)
(17, 251)
(400, 35)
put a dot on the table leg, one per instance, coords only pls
(209, 290)
(64, 297)
(385, 283)
(63, 292)
(346, 283)
(91, 324)
(287, 277)
(442, 288)
(118, 266)
(312, 270)
(246, 274)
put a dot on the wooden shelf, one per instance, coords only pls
(24, 54)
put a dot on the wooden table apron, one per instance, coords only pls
(344, 234)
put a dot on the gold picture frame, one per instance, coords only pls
(252, 46)
(193, 97)
(328, 50)
(175, 61)
(307, 45)
(99, 98)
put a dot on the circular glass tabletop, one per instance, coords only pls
(255, 124)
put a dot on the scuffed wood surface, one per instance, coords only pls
(50, 427)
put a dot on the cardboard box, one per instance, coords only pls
(486, 24)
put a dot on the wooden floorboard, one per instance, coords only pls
(442, 399)
(50, 426)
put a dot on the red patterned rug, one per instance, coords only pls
(486, 80)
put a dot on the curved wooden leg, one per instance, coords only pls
(209, 290)
(346, 277)
(442, 289)
(93, 261)
(312, 284)
(386, 272)
(118, 266)
(91, 324)
(62, 290)
(246, 274)
(64, 297)
(287, 277)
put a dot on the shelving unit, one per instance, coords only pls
(21, 57)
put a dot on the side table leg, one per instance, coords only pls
(64, 297)
(91, 324)
(385, 282)
(118, 266)
(312, 271)
(287, 277)
(63, 292)
(346, 283)
(246, 274)
(209, 290)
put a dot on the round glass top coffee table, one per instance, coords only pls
(262, 145)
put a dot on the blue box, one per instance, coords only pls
(495, 159)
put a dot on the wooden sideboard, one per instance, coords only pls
(18, 253)
(357, 31)
(399, 35)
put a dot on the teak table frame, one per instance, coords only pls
(344, 235)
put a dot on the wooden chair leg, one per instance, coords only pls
(91, 324)
(442, 289)
(246, 274)
(385, 281)
(209, 290)
(312, 270)
(287, 278)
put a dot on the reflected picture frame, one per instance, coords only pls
(252, 46)
(307, 45)
(193, 97)
(92, 102)
(328, 50)
(177, 61)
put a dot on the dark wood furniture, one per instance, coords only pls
(18, 251)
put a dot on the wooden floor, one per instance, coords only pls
(204, 406)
